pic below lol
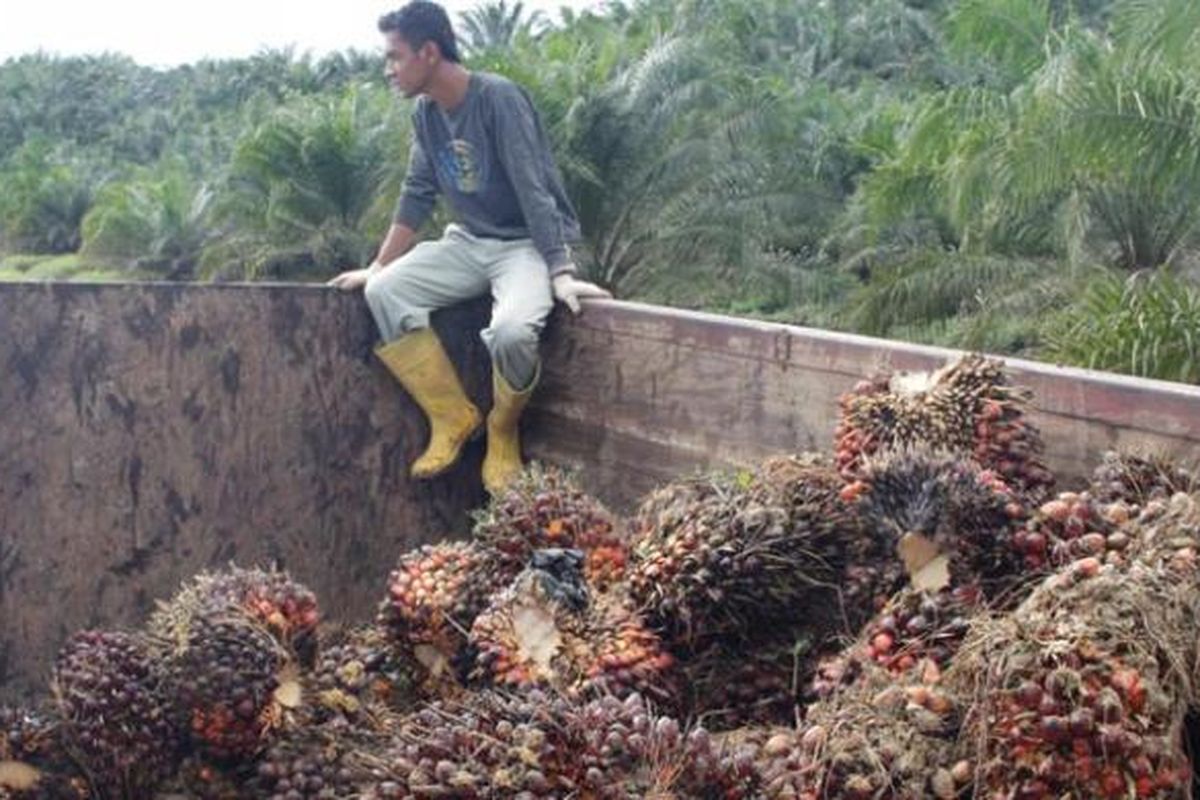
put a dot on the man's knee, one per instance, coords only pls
(380, 286)
(388, 299)
(511, 336)
(375, 290)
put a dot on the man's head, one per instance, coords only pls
(419, 38)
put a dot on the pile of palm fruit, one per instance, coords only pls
(918, 615)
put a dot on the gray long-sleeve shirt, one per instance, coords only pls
(491, 159)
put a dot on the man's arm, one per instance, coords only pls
(419, 192)
(399, 240)
(417, 198)
(520, 149)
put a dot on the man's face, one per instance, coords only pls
(408, 70)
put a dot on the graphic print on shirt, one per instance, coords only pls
(460, 166)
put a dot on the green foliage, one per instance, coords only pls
(68, 267)
(1145, 324)
(310, 189)
(157, 221)
(46, 193)
(939, 170)
(934, 287)
(497, 26)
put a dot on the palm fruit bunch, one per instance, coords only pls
(545, 508)
(494, 746)
(547, 629)
(197, 779)
(870, 573)
(1137, 479)
(778, 756)
(917, 631)
(647, 756)
(1074, 525)
(619, 655)
(434, 595)
(884, 737)
(1073, 699)
(724, 555)
(484, 746)
(116, 718)
(729, 686)
(310, 765)
(34, 765)
(283, 606)
(360, 674)
(1166, 536)
(942, 512)
(968, 407)
(518, 639)
(233, 685)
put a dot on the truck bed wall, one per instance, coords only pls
(150, 431)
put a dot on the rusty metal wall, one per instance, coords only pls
(151, 431)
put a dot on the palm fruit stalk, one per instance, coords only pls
(545, 508)
(234, 686)
(724, 555)
(967, 407)
(115, 714)
(952, 523)
(34, 764)
(434, 595)
(492, 746)
(548, 630)
(1136, 479)
(284, 607)
(1166, 535)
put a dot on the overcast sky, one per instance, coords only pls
(168, 32)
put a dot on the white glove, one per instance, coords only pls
(569, 290)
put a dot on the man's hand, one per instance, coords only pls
(352, 279)
(569, 290)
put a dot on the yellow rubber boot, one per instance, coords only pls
(419, 363)
(503, 461)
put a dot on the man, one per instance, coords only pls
(477, 141)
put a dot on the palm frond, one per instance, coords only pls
(932, 287)
(1145, 324)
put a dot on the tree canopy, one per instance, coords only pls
(1020, 176)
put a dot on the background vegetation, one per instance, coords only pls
(1017, 176)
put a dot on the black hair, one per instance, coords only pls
(421, 21)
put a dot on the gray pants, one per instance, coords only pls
(460, 266)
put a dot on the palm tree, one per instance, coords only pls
(311, 188)
(157, 222)
(496, 25)
(46, 194)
